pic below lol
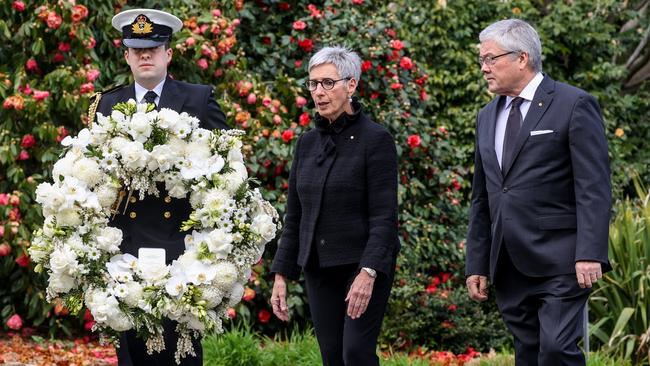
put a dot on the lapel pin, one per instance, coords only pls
(540, 104)
(351, 137)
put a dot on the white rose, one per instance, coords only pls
(220, 243)
(118, 117)
(109, 239)
(134, 156)
(87, 170)
(175, 187)
(51, 197)
(140, 127)
(68, 217)
(163, 158)
(153, 274)
(118, 143)
(63, 167)
(61, 283)
(263, 226)
(167, 117)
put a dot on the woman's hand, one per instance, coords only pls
(359, 294)
(279, 298)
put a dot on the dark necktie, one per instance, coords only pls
(513, 125)
(150, 97)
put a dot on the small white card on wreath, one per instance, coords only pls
(150, 259)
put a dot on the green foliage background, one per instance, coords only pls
(256, 50)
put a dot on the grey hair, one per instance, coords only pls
(516, 35)
(347, 62)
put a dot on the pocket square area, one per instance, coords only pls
(540, 132)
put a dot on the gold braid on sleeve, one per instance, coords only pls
(92, 109)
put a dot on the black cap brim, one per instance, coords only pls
(142, 43)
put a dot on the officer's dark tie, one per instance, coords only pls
(150, 97)
(513, 125)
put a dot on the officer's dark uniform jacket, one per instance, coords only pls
(156, 221)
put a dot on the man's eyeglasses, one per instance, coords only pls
(491, 60)
(327, 83)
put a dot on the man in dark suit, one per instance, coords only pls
(155, 221)
(541, 198)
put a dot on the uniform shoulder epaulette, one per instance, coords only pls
(94, 101)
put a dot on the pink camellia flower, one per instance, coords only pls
(2, 232)
(306, 44)
(4, 199)
(92, 75)
(58, 58)
(14, 214)
(190, 41)
(18, 6)
(396, 86)
(236, 22)
(14, 200)
(206, 50)
(62, 133)
(23, 260)
(202, 63)
(117, 43)
(28, 140)
(264, 316)
(25, 89)
(304, 119)
(266, 101)
(64, 47)
(357, 2)
(79, 13)
(216, 13)
(15, 322)
(277, 119)
(5, 249)
(31, 65)
(53, 20)
(232, 313)
(299, 25)
(413, 141)
(300, 102)
(40, 95)
(90, 43)
(396, 44)
(252, 98)
(406, 63)
(297, 64)
(287, 135)
(24, 155)
(86, 88)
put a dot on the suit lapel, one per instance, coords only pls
(171, 97)
(493, 113)
(538, 106)
(127, 93)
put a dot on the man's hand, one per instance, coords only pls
(359, 294)
(279, 298)
(588, 272)
(477, 287)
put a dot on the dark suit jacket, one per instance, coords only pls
(551, 206)
(156, 221)
(342, 198)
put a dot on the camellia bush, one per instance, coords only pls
(419, 79)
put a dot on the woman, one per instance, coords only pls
(341, 220)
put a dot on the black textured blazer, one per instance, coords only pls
(342, 204)
(156, 221)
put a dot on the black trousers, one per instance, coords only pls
(342, 340)
(544, 314)
(133, 350)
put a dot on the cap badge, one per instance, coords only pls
(142, 25)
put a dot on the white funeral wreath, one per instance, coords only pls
(131, 150)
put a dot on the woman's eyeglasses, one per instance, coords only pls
(327, 83)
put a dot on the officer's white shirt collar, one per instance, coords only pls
(529, 91)
(140, 91)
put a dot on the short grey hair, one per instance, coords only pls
(518, 36)
(346, 61)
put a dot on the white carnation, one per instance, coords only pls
(109, 239)
(140, 127)
(87, 170)
(263, 226)
(167, 117)
(163, 158)
(134, 156)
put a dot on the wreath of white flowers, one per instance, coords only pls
(131, 150)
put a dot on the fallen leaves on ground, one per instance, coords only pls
(36, 351)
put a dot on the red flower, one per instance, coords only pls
(117, 43)
(62, 133)
(299, 25)
(249, 294)
(90, 43)
(24, 155)
(304, 119)
(87, 88)
(266, 40)
(390, 32)
(366, 65)
(15, 322)
(53, 20)
(14, 214)
(396, 86)
(452, 307)
(23, 260)
(284, 6)
(357, 2)
(252, 98)
(79, 13)
(406, 63)
(287, 135)
(306, 44)
(58, 58)
(264, 316)
(315, 13)
(5, 249)
(431, 289)
(88, 326)
(423, 95)
(31, 65)
(413, 141)
(297, 64)
(88, 316)
(18, 6)
(232, 313)
(28, 140)
(64, 47)
(374, 95)
(92, 75)
(396, 44)
(455, 184)
(4, 199)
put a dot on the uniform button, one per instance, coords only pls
(168, 199)
(167, 214)
(505, 189)
(133, 200)
(133, 215)
(322, 242)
